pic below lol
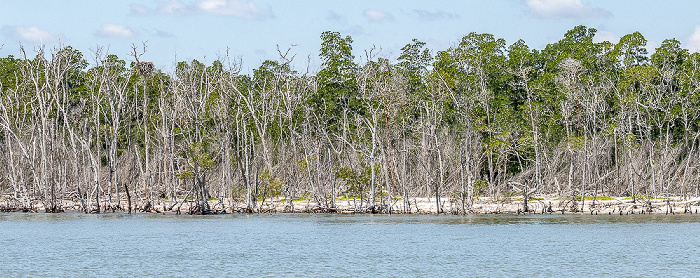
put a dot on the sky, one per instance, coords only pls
(253, 31)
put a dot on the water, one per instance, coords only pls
(144, 245)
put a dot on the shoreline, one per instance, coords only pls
(427, 206)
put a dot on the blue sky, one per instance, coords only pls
(176, 30)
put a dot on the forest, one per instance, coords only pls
(481, 119)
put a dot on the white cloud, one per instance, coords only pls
(694, 40)
(28, 34)
(377, 16)
(564, 9)
(162, 7)
(353, 30)
(602, 36)
(333, 16)
(162, 34)
(260, 52)
(235, 8)
(137, 9)
(171, 7)
(116, 31)
(430, 15)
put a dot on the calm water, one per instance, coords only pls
(115, 245)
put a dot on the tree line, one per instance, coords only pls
(479, 119)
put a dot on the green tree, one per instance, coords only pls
(337, 86)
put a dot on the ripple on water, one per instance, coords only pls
(73, 244)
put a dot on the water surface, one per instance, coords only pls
(118, 245)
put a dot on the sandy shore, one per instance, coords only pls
(538, 205)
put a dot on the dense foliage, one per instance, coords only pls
(480, 119)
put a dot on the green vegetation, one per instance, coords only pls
(348, 197)
(482, 118)
(295, 199)
(642, 197)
